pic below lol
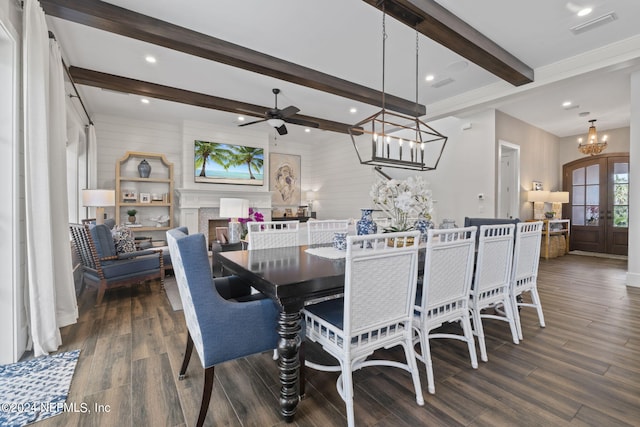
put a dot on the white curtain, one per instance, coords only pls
(51, 295)
(92, 158)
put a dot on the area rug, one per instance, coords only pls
(35, 389)
(173, 294)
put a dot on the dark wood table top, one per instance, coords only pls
(288, 275)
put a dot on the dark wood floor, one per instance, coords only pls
(582, 369)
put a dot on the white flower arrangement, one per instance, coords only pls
(402, 200)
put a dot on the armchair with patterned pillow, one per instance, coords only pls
(110, 259)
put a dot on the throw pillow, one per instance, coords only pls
(123, 239)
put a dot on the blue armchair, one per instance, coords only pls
(103, 266)
(219, 329)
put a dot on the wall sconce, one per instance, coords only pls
(98, 199)
(557, 198)
(538, 198)
(234, 209)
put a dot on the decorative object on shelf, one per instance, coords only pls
(144, 169)
(396, 140)
(591, 146)
(234, 209)
(340, 241)
(157, 197)
(448, 223)
(132, 215)
(557, 198)
(423, 225)
(129, 196)
(366, 225)
(161, 220)
(549, 215)
(98, 199)
(254, 216)
(145, 198)
(401, 200)
(538, 198)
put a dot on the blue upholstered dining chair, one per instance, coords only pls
(219, 329)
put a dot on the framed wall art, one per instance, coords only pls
(284, 179)
(219, 163)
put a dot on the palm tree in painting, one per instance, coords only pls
(213, 151)
(252, 157)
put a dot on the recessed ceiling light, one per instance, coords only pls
(307, 130)
(144, 100)
(566, 104)
(353, 110)
(585, 11)
(241, 118)
(430, 77)
(150, 59)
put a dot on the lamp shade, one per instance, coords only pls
(234, 208)
(98, 198)
(537, 196)
(558, 197)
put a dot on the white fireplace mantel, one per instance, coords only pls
(190, 201)
(189, 198)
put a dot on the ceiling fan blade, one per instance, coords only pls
(302, 122)
(289, 111)
(282, 130)
(255, 121)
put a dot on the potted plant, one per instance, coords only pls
(549, 215)
(132, 215)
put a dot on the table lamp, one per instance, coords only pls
(98, 199)
(234, 209)
(311, 196)
(538, 198)
(557, 198)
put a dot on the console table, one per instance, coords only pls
(555, 227)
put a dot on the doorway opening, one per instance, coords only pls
(508, 200)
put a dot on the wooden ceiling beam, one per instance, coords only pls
(440, 25)
(153, 90)
(107, 17)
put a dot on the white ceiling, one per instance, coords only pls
(343, 38)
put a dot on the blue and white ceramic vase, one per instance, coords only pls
(144, 169)
(366, 225)
(423, 225)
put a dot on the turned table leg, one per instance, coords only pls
(288, 362)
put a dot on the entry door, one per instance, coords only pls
(598, 203)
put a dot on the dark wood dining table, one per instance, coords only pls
(290, 276)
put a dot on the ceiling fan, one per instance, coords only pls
(277, 117)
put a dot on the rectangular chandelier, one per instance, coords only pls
(398, 141)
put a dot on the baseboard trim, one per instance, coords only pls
(633, 279)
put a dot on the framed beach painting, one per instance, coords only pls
(219, 163)
(284, 179)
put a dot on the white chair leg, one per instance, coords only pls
(347, 393)
(468, 334)
(275, 354)
(536, 300)
(516, 315)
(426, 356)
(508, 313)
(410, 354)
(479, 330)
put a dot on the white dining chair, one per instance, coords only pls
(273, 234)
(491, 280)
(321, 232)
(375, 313)
(444, 295)
(524, 275)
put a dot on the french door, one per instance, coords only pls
(598, 205)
